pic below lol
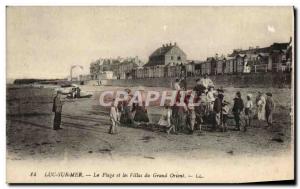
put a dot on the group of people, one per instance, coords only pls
(123, 113)
(212, 110)
(75, 92)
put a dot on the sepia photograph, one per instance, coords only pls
(150, 94)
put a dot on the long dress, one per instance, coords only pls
(270, 106)
(126, 115)
(181, 118)
(210, 100)
(141, 114)
(261, 111)
(114, 120)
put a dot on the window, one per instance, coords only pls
(178, 58)
(171, 57)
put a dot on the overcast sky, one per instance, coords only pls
(43, 42)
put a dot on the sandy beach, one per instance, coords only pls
(85, 130)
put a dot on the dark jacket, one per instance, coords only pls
(270, 105)
(238, 105)
(218, 105)
(57, 104)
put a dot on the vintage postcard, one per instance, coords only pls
(149, 94)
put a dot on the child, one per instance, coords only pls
(210, 98)
(270, 106)
(191, 119)
(165, 120)
(114, 118)
(238, 107)
(225, 112)
(248, 111)
(200, 113)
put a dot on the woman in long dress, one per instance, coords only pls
(141, 113)
(126, 115)
(261, 111)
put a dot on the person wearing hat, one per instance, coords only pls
(57, 109)
(77, 92)
(200, 113)
(183, 83)
(220, 90)
(141, 113)
(126, 116)
(225, 112)
(248, 111)
(217, 111)
(199, 88)
(270, 106)
(237, 109)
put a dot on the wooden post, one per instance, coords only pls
(254, 68)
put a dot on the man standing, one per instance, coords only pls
(270, 106)
(238, 107)
(217, 111)
(57, 109)
(78, 92)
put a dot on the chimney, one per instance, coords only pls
(170, 44)
(175, 44)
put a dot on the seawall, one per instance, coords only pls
(243, 80)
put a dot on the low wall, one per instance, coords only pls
(243, 80)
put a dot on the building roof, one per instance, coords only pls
(279, 46)
(162, 50)
(269, 49)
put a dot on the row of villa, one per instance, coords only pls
(170, 60)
